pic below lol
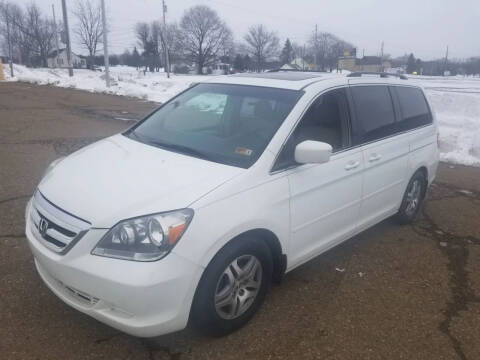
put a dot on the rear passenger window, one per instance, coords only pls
(374, 110)
(414, 108)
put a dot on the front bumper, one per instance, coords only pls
(141, 299)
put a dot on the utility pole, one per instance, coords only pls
(67, 38)
(165, 44)
(381, 58)
(303, 58)
(446, 62)
(105, 46)
(56, 35)
(10, 61)
(316, 48)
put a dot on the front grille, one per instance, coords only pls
(54, 227)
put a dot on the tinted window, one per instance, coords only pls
(414, 108)
(326, 120)
(374, 110)
(230, 124)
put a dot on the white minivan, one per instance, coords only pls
(190, 214)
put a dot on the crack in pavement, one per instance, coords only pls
(468, 193)
(12, 236)
(455, 248)
(14, 198)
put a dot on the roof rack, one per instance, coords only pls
(382, 74)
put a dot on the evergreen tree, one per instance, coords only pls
(247, 63)
(239, 63)
(287, 55)
(136, 59)
(411, 66)
(418, 66)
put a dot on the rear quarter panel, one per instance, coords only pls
(424, 147)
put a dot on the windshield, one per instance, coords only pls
(229, 124)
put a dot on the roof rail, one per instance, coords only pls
(291, 70)
(382, 74)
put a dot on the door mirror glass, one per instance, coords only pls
(312, 152)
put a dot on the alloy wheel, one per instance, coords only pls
(238, 286)
(413, 197)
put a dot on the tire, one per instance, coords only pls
(217, 287)
(412, 199)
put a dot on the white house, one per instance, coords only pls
(298, 64)
(60, 60)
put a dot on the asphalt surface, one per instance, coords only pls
(393, 292)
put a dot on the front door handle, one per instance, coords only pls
(374, 157)
(352, 165)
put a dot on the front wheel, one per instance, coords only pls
(232, 287)
(412, 199)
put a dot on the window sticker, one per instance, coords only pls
(243, 151)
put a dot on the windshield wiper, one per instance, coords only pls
(181, 149)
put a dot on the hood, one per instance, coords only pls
(118, 178)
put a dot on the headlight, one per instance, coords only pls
(146, 238)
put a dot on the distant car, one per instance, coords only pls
(192, 212)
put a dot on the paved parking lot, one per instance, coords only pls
(393, 292)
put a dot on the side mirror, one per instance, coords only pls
(313, 152)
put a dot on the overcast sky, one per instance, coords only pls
(424, 27)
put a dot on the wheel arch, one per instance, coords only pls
(268, 237)
(279, 258)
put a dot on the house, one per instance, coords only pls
(291, 67)
(365, 64)
(298, 64)
(221, 69)
(60, 60)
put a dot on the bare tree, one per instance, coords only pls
(32, 33)
(261, 44)
(327, 48)
(41, 30)
(148, 36)
(89, 29)
(171, 37)
(142, 32)
(203, 35)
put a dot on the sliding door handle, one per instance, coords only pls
(374, 157)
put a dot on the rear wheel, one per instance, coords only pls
(413, 198)
(232, 287)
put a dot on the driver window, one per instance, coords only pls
(326, 120)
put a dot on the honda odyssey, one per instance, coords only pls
(191, 213)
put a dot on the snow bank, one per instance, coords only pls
(456, 103)
(126, 81)
(455, 100)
